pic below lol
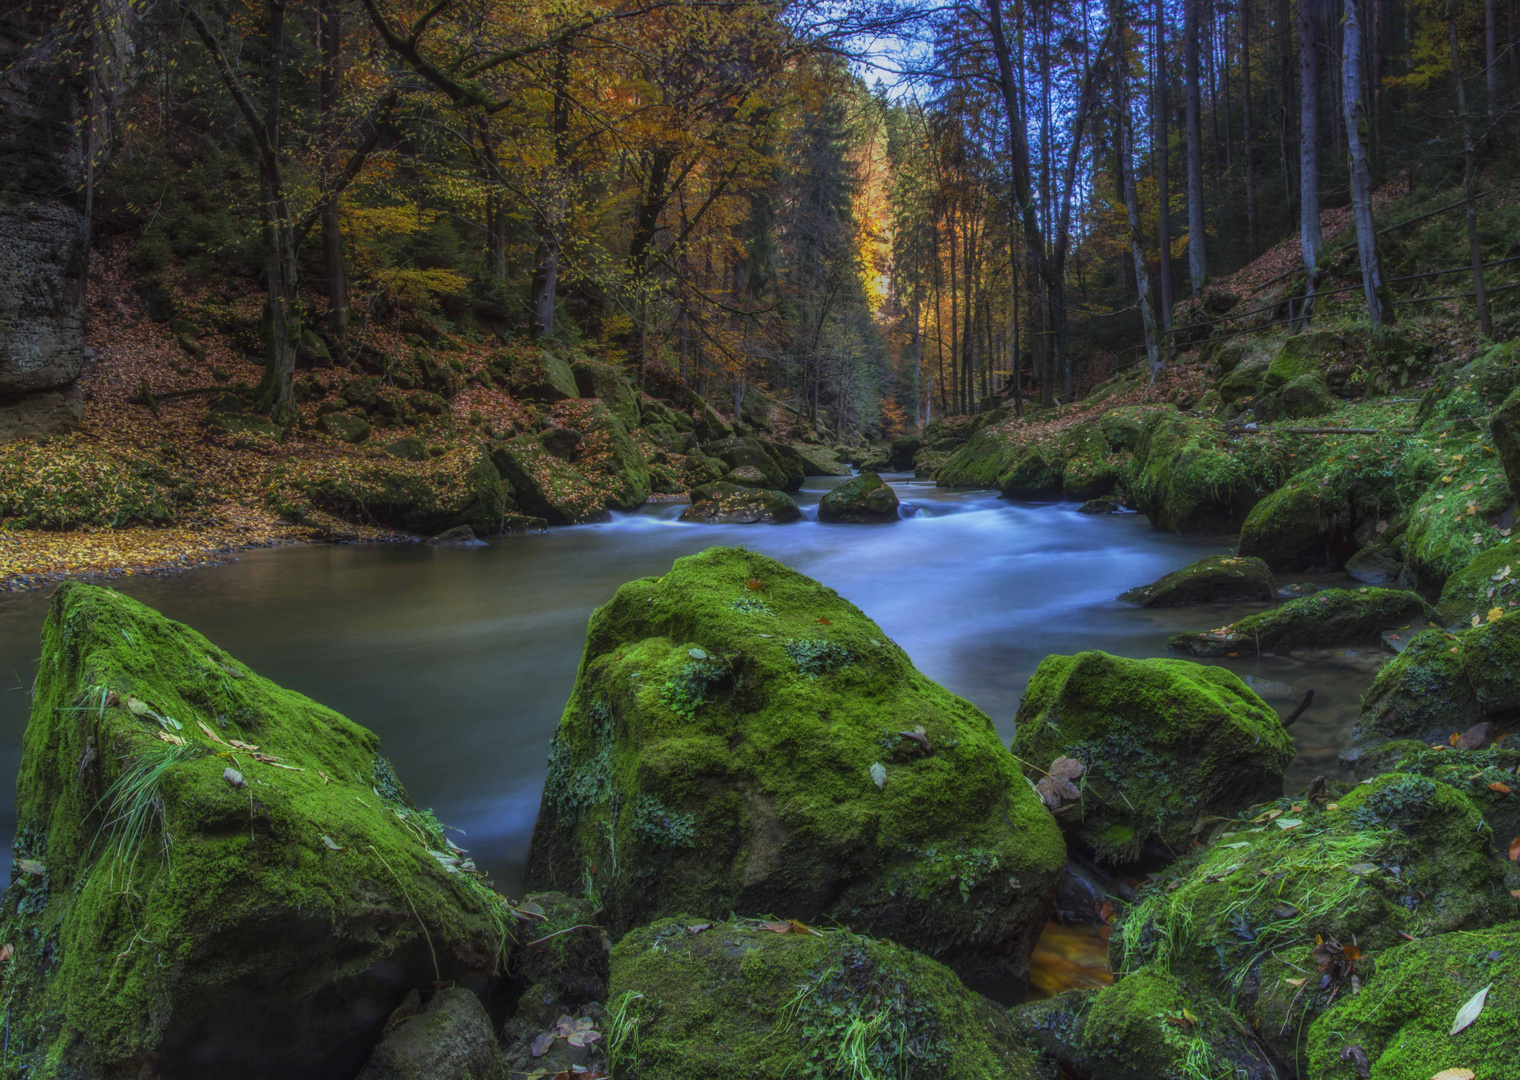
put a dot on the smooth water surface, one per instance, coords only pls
(462, 659)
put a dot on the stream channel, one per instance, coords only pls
(461, 660)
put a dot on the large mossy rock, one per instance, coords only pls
(1300, 355)
(724, 503)
(1242, 383)
(1188, 476)
(1440, 685)
(425, 498)
(1327, 618)
(865, 500)
(1248, 918)
(741, 1001)
(1402, 1020)
(1218, 579)
(1304, 395)
(783, 472)
(546, 486)
(1297, 527)
(1036, 473)
(605, 455)
(1164, 743)
(182, 903)
(1148, 1026)
(742, 739)
(538, 375)
(607, 384)
(986, 455)
(1504, 425)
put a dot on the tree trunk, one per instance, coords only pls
(1163, 180)
(1309, 28)
(1131, 199)
(1379, 304)
(1491, 58)
(330, 31)
(275, 391)
(1198, 264)
(1469, 180)
(1285, 104)
(551, 213)
(1247, 136)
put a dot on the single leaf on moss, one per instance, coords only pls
(879, 775)
(1455, 1074)
(1514, 850)
(1469, 1012)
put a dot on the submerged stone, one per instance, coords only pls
(742, 739)
(1163, 744)
(757, 1000)
(167, 913)
(1218, 579)
(865, 500)
(1328, 617)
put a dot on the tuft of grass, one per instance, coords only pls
(623, 1024)
(134, 805)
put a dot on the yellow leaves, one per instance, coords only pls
(1495, 614)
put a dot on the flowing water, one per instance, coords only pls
(462, 659)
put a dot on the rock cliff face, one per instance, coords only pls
(44, 233)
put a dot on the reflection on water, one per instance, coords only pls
(462, 659)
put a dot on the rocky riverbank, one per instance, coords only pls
(766, 843)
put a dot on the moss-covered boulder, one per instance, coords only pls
(752, 1000)
(184, 899)
(1300, 355)
(1283, 910)
(536, 375)
(738, 452)
(1036, 473)
(1490, 580)
(1218, 579)
(1327, 618)
(741, 738)
(1297, 527)
(1306, 395)
(1504, 425)
(449, 1038)
(821, 461)
(607, 384)
(546, 486)
(1374, 565)
(987, 455)
(1189, 476)
(605, 455)
(1163, 744)
(1402, 1021)
(1148, 1026)
(900, 454)
(1440, 685)
(346, 427)
(426, 498)
(723, 503)
(1242, 383)
(865, 500)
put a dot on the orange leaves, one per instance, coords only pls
(1499, 786)
(790, 926)
(1514, 850)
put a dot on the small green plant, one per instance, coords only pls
(134, 805)
(623, 1022)
(654, 824)
(686, 691)
(815, 656)
(577, 782)
(749, 605)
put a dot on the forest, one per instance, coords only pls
(825, 539)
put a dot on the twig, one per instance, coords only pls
(1302, 706)
(1320, 431)
(436, 973)
(566, 930)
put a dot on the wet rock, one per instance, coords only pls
(1297, 527)
(708, 998)
(1296, 589)
(1281, 912)
(300, 908)
(426, 498)
(451, 1038)
(903, 448)
(747, 476)
(729, 504)
(1053, 1028)
(1329, 617)
(523, 523)
(1374, 566)
(749, 740)
(1104, 504)
(1163, 743)
(1218, 579)
(1402, 1021)
(865, 500)
(459, 536)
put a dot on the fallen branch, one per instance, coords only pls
(1320, 431)
(144, 396)
(1302, 706)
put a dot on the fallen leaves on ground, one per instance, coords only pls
(1059, 784)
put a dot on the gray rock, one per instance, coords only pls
(44, 412)
(450, 1039)
(459, 536)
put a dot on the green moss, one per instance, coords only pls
(1399, 855)
(1147, 1026)
(1188, 476)
(1402, 1019)
(1300, 355)
(987, 455)
(866, 498)
(1422, 694)
(738, 1000)
(545, 486)
(461, 488)
(302, 880)
(1218, 579)
(763, 727)
(1166, 743)
(1034, 474)
(1328, 617)
(1491, 579)
(723, 503)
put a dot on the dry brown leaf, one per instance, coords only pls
(213, 736)
(1500, 787)
(1454, 1074)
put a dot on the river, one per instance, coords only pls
(462, 659)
